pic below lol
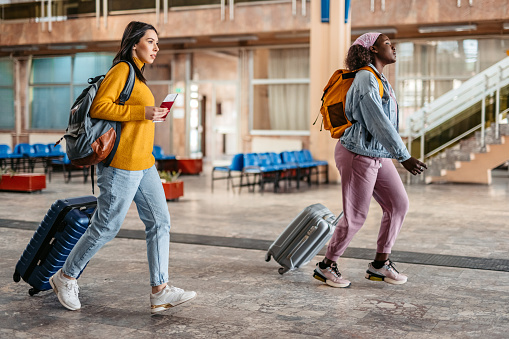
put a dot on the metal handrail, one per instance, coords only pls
(456, 101)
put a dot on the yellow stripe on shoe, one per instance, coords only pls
(165, 306)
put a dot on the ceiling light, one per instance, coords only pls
(233, 38)
(454, 28)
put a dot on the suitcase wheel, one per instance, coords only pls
(267, 257)
(33, 291)
(283, 270)
(16, 276)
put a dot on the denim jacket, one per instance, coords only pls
(374, 132)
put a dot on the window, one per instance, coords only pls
(280, 91)
(6, 94)
(56, 82)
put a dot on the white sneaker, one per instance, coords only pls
(170, 296)
(66, 290)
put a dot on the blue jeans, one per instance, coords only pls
(118, 189)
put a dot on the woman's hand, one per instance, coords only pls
(156, 113)
(414, 166)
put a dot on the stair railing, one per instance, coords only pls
(456, 101)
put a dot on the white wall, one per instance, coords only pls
(6, 139)
(278, 145)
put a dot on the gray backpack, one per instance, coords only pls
(90, 141)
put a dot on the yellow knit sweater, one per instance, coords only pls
(134, 150)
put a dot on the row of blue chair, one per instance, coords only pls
(256, 169)
(24, 157)
(28, 155)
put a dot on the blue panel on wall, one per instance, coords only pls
(325, 10)
(347, 11)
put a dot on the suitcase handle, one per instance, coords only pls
(335, 223)
(60, 218)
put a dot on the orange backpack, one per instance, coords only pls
(333, 100)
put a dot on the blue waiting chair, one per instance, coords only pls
(40, 152)
(55, 150)
(288, 170)
(68, 168)
(158, 154)
(6, 155)
(236, 166)
(164, 162)
(302, 171)
(25, 152)
(260, 170)
(309, 166)
(55, 158)
(319, 163)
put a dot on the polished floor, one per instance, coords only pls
(454, 247)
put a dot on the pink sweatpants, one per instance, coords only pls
(362, 178)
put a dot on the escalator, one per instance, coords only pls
(459, 113)
(463, 124)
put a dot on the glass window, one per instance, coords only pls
(50, 107)
(89, 65)
(6, 72)
(51, 70)
(6, 95)
(280, 89)
(57, 82)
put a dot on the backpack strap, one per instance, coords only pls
(380, 85)
(128, 87)
(380, 89)
(123, 97)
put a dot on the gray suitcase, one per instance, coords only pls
(303, 238)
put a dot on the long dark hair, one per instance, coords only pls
(133, 33)
(359, 56)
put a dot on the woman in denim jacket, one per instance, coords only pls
(364, 158)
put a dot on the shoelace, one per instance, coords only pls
(176, 289)
(391, 266)
(72, 287)
(335, 271)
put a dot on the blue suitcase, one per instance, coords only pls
(64, 223)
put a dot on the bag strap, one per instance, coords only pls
(380, 85)
(128, 87)
(380, 89)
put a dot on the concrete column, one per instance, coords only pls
(329, 43)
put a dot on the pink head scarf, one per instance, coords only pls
(367, 39)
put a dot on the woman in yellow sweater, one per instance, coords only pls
(131, 176)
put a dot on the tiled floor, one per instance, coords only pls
(242, 296)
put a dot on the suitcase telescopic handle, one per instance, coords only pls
(337, 219)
